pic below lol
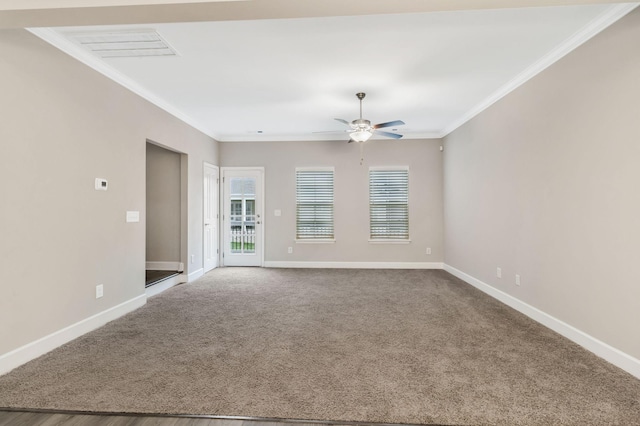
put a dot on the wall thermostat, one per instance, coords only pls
(101, 184)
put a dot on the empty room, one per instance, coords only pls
(285, 212)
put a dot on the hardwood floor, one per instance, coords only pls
(18, 418)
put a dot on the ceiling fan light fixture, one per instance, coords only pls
(361, 135)
(361, 130)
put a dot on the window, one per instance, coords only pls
(388, 203)
(314, 204)
(236, 210)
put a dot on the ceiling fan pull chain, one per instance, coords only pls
(361, 153)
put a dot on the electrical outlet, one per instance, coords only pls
(499, 272)
(193, 258)
(99, 291)
(517, 279)
(290, 250)
(428, 250)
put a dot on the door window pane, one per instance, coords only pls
(242, 215)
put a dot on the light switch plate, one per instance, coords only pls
(277, 212)
(133, 216)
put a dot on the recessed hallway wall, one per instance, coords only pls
(163, 205)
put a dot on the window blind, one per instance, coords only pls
(314, 204)
(389, 204)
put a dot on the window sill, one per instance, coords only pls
(318, 241)
(389, 241)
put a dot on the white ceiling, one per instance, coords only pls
(288, 78)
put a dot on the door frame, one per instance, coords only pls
(216, 212)
(260, 211)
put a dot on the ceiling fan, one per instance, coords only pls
(361, 130)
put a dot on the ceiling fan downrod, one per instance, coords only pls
(361, 96)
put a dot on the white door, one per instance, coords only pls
(242, 216)
(211, 207)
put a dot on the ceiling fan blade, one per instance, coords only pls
(389, 124)
(343, 121)
(387, 134)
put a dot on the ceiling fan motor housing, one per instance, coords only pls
(361, 123)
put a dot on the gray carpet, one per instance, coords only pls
(355, 345)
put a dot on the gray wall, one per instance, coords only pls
(545, 184)
(163, 205)
(63, 125)
(351, 209)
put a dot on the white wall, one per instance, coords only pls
(544, 184)
(351, 209)
(63, 125)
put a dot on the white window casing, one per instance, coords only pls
(389, 204)
(314, 204)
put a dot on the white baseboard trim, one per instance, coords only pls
(195, 275)
(165, 285)
(164, 266)
(603, 350)
(355, 265)
(32, 350)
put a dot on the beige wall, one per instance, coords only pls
(545, 184)
(163, 205)
(63, 125)
(351, 212)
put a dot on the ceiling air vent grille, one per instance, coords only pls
(124, 44)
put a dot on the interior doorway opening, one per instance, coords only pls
(165, 215)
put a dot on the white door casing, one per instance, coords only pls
(211, 203)
(243, 216)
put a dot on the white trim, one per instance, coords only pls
(156, 289)
(319, 138)
(262, 208)
(195, 275)
(610, 16)
(218, 216)
(601, 349)
(316, 241)
(355, 265)
(32, 350)
(86, 57)
(164, 266)
(382, 241)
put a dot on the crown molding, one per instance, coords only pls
(57, 40)
(309, 138)
(613, 14)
